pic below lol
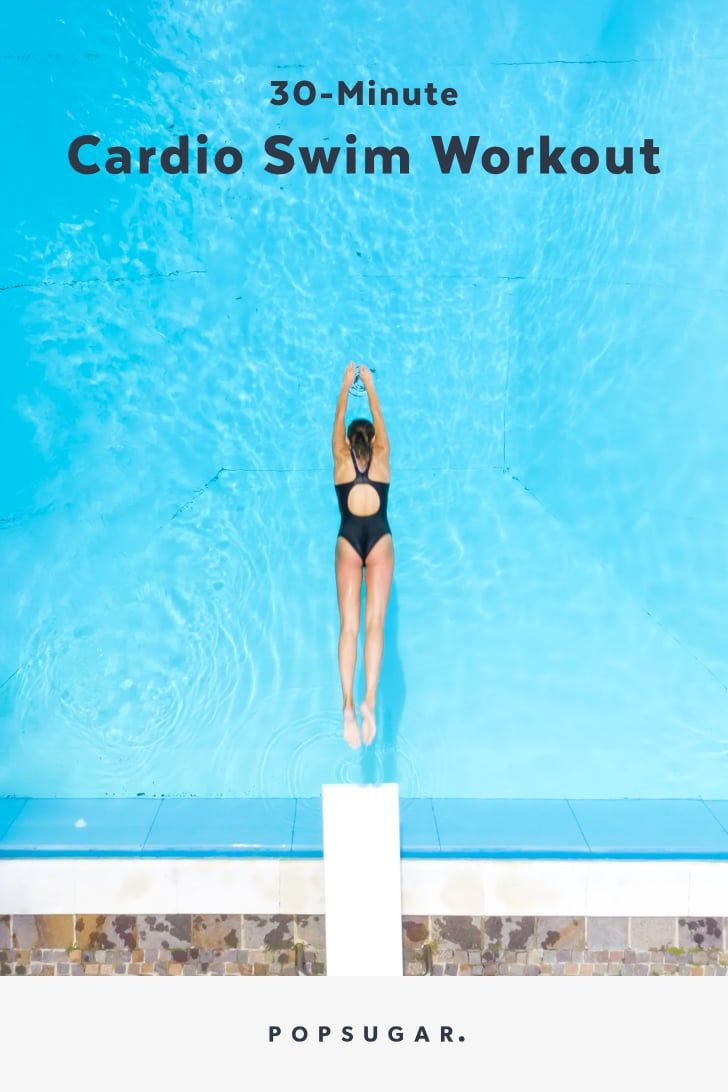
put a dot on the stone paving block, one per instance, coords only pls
(310, 929)
(457, 932)
(41, 930)
(155, 931)
(606, 932)
(105, 931)
(415, 931)
(267, 931)
(216, 930)
(650, 933)
(561, 932)
(91, 968)
(700, 933)
(514, 933)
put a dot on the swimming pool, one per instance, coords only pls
(549, 356)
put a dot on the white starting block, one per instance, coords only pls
(362, 879)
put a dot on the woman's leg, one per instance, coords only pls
(379, 569)
(348, 590)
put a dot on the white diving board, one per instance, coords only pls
(362, 880)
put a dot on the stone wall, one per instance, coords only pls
(565, 945)
(181, 944)
(253, 944)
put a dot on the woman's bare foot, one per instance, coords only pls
(351, 728)
(368, 726)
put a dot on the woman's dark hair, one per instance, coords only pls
(361, 434)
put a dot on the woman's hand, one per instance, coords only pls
(366, 376)
(349, 375)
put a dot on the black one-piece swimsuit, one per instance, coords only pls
(363, 531)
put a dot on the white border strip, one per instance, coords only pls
(206, 885)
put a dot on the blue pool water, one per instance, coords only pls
(550, 355)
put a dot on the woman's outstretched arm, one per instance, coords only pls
(381, 439)
(338, 440)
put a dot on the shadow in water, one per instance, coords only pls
(379, 762)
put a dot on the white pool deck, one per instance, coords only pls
(131, 885)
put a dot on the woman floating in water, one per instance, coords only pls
(364, 540)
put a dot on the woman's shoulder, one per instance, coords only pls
(379, 468)
(343, 469)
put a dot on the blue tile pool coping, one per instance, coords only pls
(430, 827)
